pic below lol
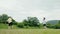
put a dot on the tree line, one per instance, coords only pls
(30, 22)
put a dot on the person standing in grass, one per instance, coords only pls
(44, 23)
(10, 22)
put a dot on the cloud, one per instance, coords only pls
(21, 9)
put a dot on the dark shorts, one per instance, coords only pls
(10, 24)
(44, 24)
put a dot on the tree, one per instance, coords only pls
(58, 25)
(59, 22)
(20, 25)
(32, 21)
(25, 22)
(3, 18)
(0, 19)
(14, 22)
(50, 25)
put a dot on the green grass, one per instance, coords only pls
(3, 26)
(29, 31)
(4, 30)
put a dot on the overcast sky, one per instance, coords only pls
(21, 9)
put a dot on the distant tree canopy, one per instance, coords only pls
(59, 21)
(4, 17)
(56, 26)
(31, 21)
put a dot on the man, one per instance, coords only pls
(10, 22)
(44, 22)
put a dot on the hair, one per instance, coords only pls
(43, 18)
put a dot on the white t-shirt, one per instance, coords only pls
(9, 20)
(44, 22)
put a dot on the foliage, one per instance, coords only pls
(50, 26)
(14, 22)
(3, 18)
(20, 25)
(25, 22)
(31, 21)
(57, 25)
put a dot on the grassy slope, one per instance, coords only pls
(29, 31)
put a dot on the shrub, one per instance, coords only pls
(57, 26)
(20, 25)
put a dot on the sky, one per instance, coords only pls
(21, 9)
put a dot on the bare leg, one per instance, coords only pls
(11, 27)
(8, 27)
(45, 27)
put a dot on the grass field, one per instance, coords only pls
(4, 30)
(29, 31)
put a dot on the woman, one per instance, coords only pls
(10, 22)
(44, 22)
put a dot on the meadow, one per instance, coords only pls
(29, 31)
(4, 30)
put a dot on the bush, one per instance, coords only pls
(20, 25)
(50, 26)
(57, 26)
(15, 23)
